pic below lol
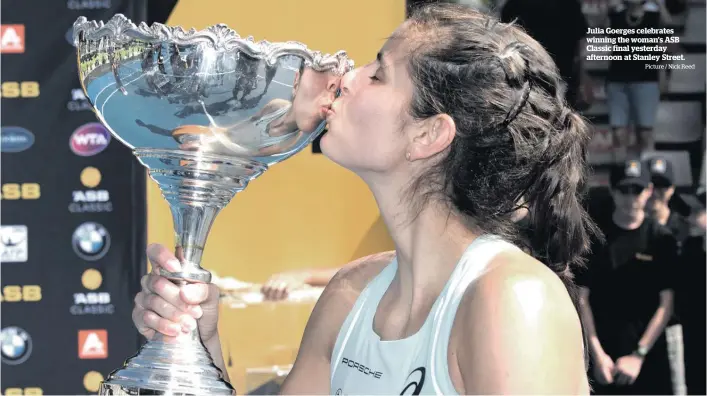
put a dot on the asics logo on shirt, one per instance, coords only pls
(415, 380)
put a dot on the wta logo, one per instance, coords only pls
(89, 139)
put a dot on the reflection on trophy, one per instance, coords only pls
(206, 112)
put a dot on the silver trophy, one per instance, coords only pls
(206, 112)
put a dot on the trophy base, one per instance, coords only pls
(117, 389)
(183, 367)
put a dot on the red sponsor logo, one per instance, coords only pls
(93, 344)
(12, 39)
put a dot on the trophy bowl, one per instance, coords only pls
(205, 112)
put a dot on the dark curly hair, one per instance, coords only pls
(517, 139)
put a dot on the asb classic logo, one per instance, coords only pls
(92, 303)
(13, 243)
(12, 39)
(16, 345)
(89, 139)
(15, 139)
(90, 201)
(90, 241)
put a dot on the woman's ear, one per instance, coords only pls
(433, 137)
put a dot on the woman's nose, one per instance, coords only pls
(347, 81)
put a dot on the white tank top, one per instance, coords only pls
(417, 365)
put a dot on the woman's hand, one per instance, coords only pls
(169, 309)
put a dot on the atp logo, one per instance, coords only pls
(415, 381)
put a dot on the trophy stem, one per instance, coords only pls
(192, 224)
(196, 186)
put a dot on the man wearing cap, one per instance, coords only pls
(658, 207)
(626, 296)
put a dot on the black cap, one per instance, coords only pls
(661, 170)
(631, 172)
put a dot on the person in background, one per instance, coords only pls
(659, 204)
(626, 296)
(690, 298)
(280, 285)
(560, 26)
(633, 90)
(658, 207)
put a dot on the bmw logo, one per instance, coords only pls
(16, 345)
(91, 241)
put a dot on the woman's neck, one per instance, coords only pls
(428, 245)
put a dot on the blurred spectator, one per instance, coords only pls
(560, 26)
(658, 207)
(632, 90)
(690, 299)
(626, 296)
(280, 285)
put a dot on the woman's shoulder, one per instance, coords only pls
(515, 274)
(517, 311)
(355, 276)
(519, 293)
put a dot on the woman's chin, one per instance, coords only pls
(324, 142)
(325, 146)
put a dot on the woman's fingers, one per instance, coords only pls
(162, 325)
(164, 309)
(161, 257)
(142, 328)
(161, 286)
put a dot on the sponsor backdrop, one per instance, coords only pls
(73, 221)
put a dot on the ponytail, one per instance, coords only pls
(563, 230)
